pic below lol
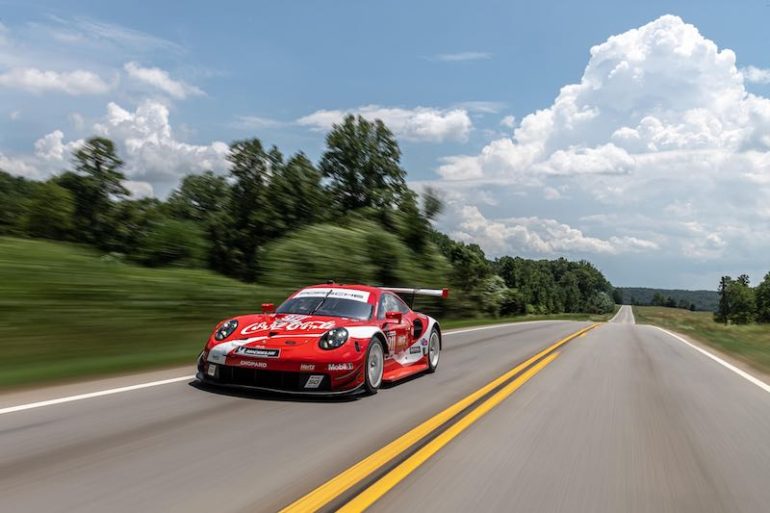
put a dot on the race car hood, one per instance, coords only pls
(282, 325)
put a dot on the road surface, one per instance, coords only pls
(622, 418)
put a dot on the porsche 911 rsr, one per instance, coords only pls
(325, 339)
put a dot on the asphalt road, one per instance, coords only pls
(626, 418)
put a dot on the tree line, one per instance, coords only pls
(286, 221)
(740, 303)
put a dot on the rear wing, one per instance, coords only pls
(442, 293)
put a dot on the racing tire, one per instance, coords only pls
(434, 350)
(374, 367)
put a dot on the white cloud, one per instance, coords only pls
(138, 189)
(160, 79)
(481, 106)
(19, 167)
(508, 121)
(151, 151)
(256, 123)
(463, 56)
(417, 124)
(756, 75)
(660, 128)
(154, 158)
(534, 235)
(51, 147)
(34, 80)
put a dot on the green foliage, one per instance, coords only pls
(95, 185)
(703, 300)
(170, 241)
(295, 196)
(763, 299)
(556, 286)
(49, 212)
(362, 163)
(359, 253)
(199, 197)
(14, 192)
(246, 217)
(741, 301)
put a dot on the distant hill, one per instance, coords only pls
(705, 300)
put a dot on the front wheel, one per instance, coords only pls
(434, 350)
(375, 364)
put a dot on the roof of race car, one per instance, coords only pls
(366, 288)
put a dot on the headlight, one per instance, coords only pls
(333, 339)
(226, 329)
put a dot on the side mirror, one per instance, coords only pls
(268, 308)
(393, 316)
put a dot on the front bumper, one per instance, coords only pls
(282, 376)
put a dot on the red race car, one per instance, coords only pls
(325, 339)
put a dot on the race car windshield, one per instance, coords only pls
(329, 307)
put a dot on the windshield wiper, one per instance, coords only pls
(319, 305)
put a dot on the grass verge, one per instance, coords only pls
(749, 343)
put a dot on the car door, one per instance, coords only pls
(397, 332)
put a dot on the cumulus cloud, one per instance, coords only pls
(51, 147)
(160, 79)
(78, 82)
(419, 124)
(155, 159)
(151, 150)
(534, 235)
(659, 127)
(756, 75)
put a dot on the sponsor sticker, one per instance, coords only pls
(355, 295)
(258, 352)
(415, 350)
(340, 366)
(306, 367)
(212, 370)
(252, 363)
(287, 325)
(314, 381)
(424, 342)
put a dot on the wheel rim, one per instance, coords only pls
(374, 365)
(434, 349)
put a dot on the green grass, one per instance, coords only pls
(750, 343)
(68, 312)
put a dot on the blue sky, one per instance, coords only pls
(622, 173)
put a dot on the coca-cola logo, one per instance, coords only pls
(287, 325)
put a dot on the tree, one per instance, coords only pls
(362, 163)
(742, 302)
(723, 310)
(50, 210)
(199, 197)
(617, 296)
(658, 299)
(96, 183)
(763, 299)
(13, 205)
(295, 195)
(242, 229)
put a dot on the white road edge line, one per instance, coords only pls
(761, 384)
(111, 391)
(80, 397)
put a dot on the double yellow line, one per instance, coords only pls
(334, 488)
